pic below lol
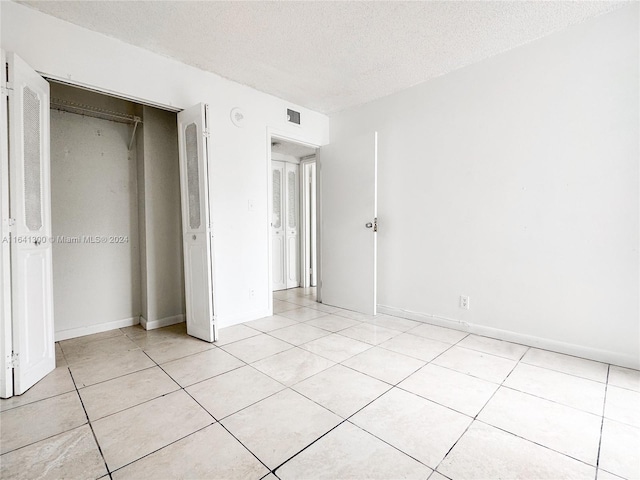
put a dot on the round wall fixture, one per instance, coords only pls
(238, 117)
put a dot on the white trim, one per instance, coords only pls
(161, 322)
(581, 351)
(110, 93)
(101, 327)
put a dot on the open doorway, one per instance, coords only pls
(294, 253)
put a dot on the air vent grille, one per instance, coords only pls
(293, 116)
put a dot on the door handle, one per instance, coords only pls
(373, 225)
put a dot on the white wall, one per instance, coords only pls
(93, 193)
(163, 274)
(239, 170)
(515, 181)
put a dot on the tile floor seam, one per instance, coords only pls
(433, 401)
(411, 356)
(535, 443)
(385, 441)
(500, 385)
(284, 387)
(604, 407)
(560, 371)
(39, 400)
(208, 378)
(249, 363)
(95, 438)
(297, 346)
(245, 447)
(119, 376)
(158, 449)
(307, 446)
(396, 384)
(475, 418)
(257, 401)
(439, 326)
(552, 401)
(42, 439)
(621, 388)
(258, 332)
(495, 354)
(343, 420)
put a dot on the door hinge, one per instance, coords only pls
(8, 86)
(14, 360)
(206, 133)
(375, 224)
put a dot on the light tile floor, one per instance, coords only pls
(319, 392)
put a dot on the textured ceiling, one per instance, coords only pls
(326, 56)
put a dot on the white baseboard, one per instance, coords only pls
(161, 322)
(590, 353)
(100, 327)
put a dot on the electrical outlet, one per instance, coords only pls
(252, 293)
(464, 302)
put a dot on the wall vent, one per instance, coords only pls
(293, 116)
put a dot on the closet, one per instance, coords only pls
(116, 219)
(285, 225)
(108, 188)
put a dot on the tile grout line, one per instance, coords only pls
(95, 438)
(212, 416)
(536, 443)
(170, 443)
(604, 407)
(475, 417)
(347, 419)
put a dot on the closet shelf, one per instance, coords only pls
(90, 111)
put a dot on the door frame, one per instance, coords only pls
(5, 325)
(276, 134)
(305, 192)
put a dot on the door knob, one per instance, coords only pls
(369, 225)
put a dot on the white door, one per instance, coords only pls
(293, 219)
(348, 211)
(197, 239)
(278, 244)
(30, 210)
(6, 344)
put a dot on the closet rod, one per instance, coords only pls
(71, 107)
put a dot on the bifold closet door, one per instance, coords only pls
(293, 219)
(197, 239)
(30, 193)
(278, 227)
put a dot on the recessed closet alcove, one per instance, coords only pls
(116, 218)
